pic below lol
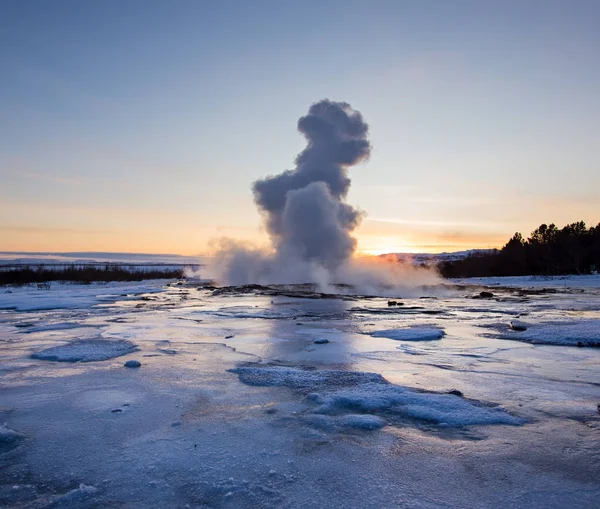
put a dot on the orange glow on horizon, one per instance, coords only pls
(183, 241)
(375, 245)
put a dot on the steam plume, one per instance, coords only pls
(304, 208)
(309, 223)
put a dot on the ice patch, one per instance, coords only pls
(250, 313)
(75, 495)
(54, 327)
(359, 421)
(74, 296)
(350, 421)
(575, 333)
(322, 422)
(587, 281)
(346, 393)
(410, 334)
(8, 435)
(86, 351)
(299, 379)
(9, 438)
(441, 409)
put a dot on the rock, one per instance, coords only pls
(456, 392)
(116, 410)
(392, 303)
(321, 341)
(517, 325)
(229, 336)
(133, 364)
(486, 295)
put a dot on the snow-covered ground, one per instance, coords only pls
(259, 399)
(535, 281)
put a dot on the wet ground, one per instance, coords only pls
(235, 405)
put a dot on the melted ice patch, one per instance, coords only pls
(410, 334)
(86, 351)
(351, 395)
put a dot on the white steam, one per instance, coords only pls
(309, 223)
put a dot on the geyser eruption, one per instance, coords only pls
(309, 223)
(305, 213)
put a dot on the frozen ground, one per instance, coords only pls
(434, 403)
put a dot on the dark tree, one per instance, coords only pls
(574, 249)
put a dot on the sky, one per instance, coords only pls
(140, 125)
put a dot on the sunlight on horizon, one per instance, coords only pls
(476, 133)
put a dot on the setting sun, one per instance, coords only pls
(376, 246)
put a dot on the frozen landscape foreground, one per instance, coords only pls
(282, 397)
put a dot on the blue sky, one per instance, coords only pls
(140, 125)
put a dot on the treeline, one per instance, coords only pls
(82, 274)
(574, 249)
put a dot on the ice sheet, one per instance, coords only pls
(236, 406)
(568, 333)
(90, 350)
(343, 392)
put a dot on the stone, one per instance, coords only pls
(133, 364)
(517, 325)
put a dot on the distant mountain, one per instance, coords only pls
(11, 257)
(435, 258)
